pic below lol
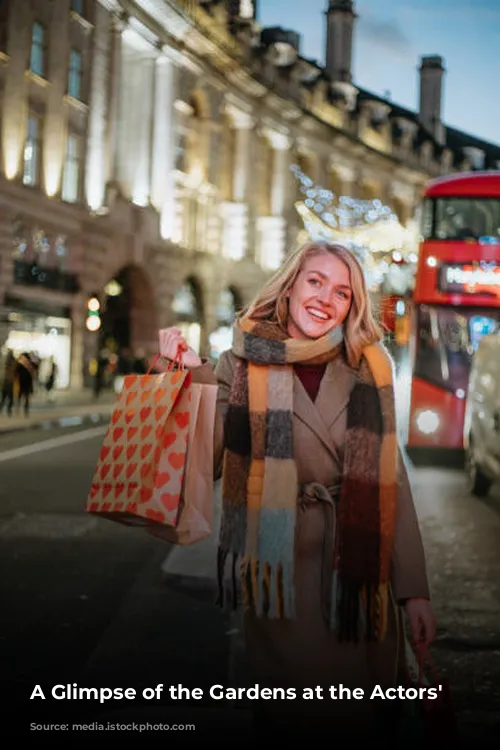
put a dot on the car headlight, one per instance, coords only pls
(427, 421)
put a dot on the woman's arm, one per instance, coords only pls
(409, 575)
(223, 377)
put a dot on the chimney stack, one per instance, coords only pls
(431, 86)
(340, 18)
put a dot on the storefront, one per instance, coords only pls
(45, 333)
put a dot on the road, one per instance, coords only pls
(87, 601)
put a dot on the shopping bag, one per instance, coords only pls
(194, 520)
(140, 471)
(428, 721)
(436, 715)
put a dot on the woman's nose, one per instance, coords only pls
(325, 296)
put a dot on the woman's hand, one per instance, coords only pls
(174, 346)
(422, 621)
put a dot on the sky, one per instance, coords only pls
(390, 37)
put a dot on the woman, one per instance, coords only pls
(316, 500)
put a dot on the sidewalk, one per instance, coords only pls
(70, 408)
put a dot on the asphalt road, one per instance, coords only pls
(84, 600)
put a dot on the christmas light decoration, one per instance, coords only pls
(370, 229)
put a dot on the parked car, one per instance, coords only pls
(482, 416)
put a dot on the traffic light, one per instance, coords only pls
(93, 321)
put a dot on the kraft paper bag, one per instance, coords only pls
(195, 516)
(140, 472)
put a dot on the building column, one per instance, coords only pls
(242, 123)
(273, 228)
(281, 148)
(138, 61)
(78, 344)
(141, 186)
(115, 74)
(163, 141)
(99, 147)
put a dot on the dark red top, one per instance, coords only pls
(310, 377)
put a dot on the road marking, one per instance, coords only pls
(47, 445)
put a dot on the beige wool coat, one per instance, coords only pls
(304, 652)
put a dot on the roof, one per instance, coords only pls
(486, 183)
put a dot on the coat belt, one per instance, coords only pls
(314, 492)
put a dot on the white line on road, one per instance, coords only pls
(47, 445)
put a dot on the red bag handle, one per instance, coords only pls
(172, 362)
(425, 656)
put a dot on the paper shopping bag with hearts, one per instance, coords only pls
(194, 520)
(140, 471)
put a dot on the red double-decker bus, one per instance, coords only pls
(456, 301)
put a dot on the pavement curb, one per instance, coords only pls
(64, 421)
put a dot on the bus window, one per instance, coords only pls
(427, 218)
(463, 218)
(446, 340)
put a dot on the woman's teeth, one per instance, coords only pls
(317, 314)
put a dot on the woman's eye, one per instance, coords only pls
(314, 281)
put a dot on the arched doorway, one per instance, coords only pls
(129, 320)
(188, 309)
(229, 304)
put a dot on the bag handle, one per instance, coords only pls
(177, 361)
(423, 655)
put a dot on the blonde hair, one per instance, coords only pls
(271, 303)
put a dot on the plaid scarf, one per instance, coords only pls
(260, 485)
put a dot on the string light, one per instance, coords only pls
(369, 228)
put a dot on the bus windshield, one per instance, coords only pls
(446, 340)
(461, 218)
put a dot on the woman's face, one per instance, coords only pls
(320, 298)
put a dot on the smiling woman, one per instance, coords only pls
(316, 500)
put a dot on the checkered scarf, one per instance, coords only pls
(260, 484)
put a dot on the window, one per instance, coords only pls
(72, 169)
(462, 218)
(77, 6)
(75, 74)
(37, 59)
(31, 174)
(446, 340)
(181, 152)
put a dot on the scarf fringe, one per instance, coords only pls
(267, 590)
(358, 612)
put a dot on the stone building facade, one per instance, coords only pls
(148, 143)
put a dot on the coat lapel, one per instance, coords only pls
(339, 380)
(321, 415)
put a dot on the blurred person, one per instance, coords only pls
(317, 505)
(26, 376)
(124, 366)
(51, 379)
(101, 369)
(9, 376)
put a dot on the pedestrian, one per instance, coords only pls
(102, 365)
(26, 375)
(317, 504)
(9, 375)
(51, 380)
